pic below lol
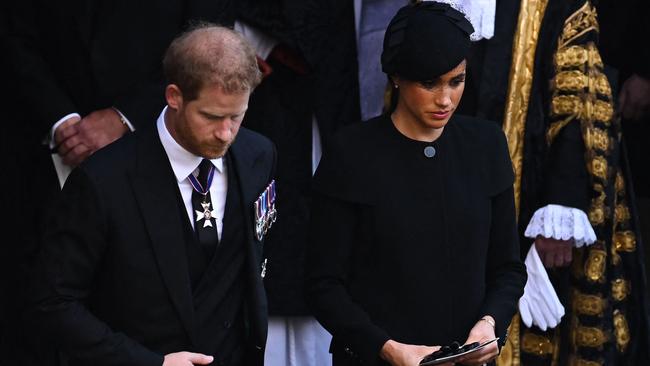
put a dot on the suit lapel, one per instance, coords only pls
(245, 162)
(157, 194)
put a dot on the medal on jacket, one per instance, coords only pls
(265, 212)
(207, 213)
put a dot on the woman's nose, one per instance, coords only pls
(443, 99)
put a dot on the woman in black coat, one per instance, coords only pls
(414, 241)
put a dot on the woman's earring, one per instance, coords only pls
(396, 86)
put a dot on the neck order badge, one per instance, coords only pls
(206, 170)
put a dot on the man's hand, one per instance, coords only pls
(93, 132)
(400, 354)
(187, 359)
(264, 66)
(634, 99)
(553, 252)
(482, 332)
(65, 130)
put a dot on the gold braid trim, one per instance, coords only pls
(583, 362)
(536, 344)
(623, 241)
(597, 139)
(582, 21)
(511, 352)
(556, 127)
(520, 82)
(595, 265)
(591, 337)
(620, 289)
(576, 81)
(622, 214)
(584, 107)
(621, 331)
(598, 167)
(598, 212)
(578, 56)
(586, 304)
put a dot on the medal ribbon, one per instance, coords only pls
(198, 187)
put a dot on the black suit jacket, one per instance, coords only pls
(64, 57)
(114, 286)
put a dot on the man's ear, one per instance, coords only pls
(174, 96)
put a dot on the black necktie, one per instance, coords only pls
(205, 224)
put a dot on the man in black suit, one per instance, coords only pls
(83, 67)
(149, 262)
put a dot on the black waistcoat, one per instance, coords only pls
(218, 283)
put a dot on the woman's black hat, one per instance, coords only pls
(425, 40)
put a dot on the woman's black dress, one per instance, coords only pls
(410, 247)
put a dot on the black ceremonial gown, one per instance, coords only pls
(572, 156)
(412, 248)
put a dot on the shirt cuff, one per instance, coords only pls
(124, 119)
(261, 42)
(49, 140)
(561, 223)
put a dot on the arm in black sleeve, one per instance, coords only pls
(566, 176)
(34, 86)
(328, 263)
(74, 246)
(143, 102)
(505, 273)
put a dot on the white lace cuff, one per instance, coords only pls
(481, 13)
(561, 223)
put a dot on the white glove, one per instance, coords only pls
(539, 305)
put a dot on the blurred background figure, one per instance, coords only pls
(622, 25)
(543, 78)
(306, 51)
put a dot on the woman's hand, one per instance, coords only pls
(400, 354)
(482, 332)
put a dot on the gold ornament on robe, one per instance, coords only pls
(621, 331)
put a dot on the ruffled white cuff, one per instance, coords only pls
(561, 223)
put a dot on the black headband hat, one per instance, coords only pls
(425, 40)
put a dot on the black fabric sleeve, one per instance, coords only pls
(328, 262)
(505, 273)
(73, 249)
(144, 100)
(567, 179)
(34, 85)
